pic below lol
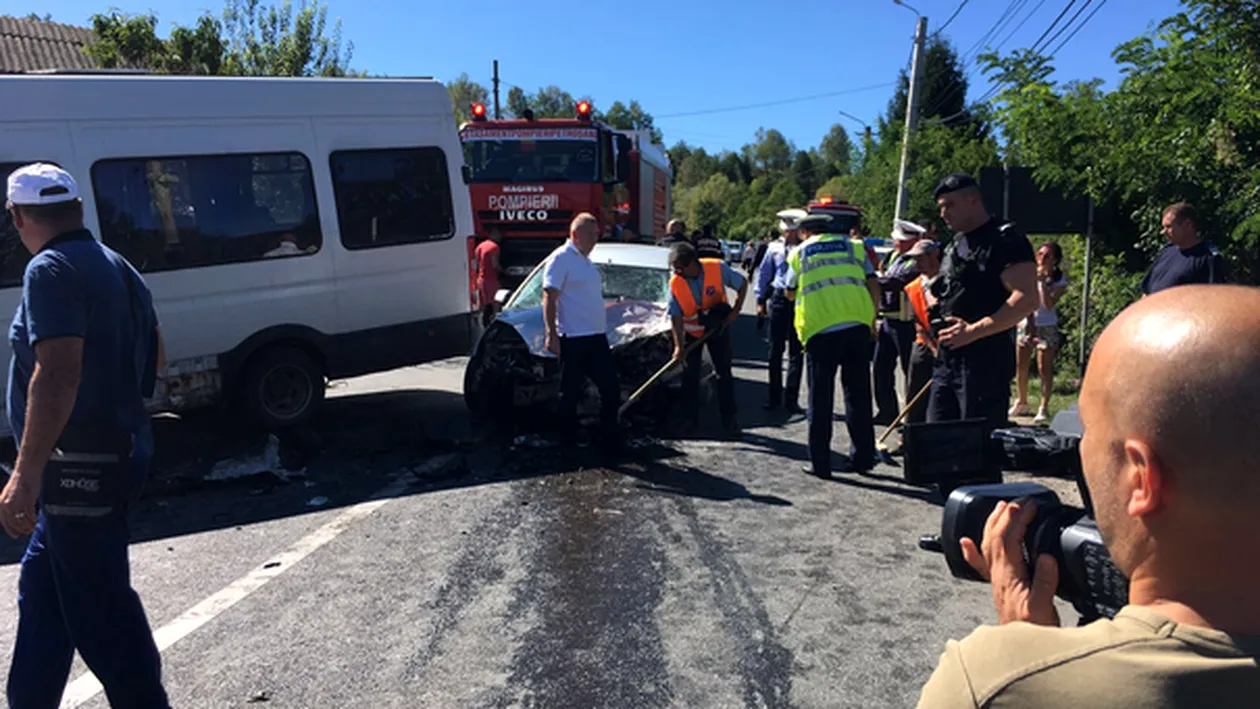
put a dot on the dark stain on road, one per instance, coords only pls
(591, 590)
(765, 665)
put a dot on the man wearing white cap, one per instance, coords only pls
(896, 331)
(772, 283)
(85, 356)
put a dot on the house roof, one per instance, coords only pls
(33, 45)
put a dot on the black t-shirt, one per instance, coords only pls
(1175, 266)
(976, 260)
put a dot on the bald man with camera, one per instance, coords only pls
(1171, 457)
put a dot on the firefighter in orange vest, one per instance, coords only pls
(698, 306)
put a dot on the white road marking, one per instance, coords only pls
(86, 686)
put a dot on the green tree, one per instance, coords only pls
(942, 96)
(250, 40)
(632, 117)
(837, 152)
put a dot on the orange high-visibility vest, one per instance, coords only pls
(712, 293)
(918, 300)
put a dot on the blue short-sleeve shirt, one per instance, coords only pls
(77, 287)
(730, 279)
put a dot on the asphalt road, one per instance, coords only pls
(408, 565)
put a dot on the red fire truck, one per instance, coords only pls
(529, 177)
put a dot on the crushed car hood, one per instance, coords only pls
(628, 321)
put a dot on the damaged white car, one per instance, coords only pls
(511, 371)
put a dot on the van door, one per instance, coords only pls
(402, 277)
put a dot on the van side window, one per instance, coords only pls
(13, 255)
(171, 213)
(391, 197)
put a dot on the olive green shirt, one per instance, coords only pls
(1138, 659)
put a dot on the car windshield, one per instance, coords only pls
(516, 160)
(620, 282)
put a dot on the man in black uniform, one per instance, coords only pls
(987, 284)
(707, 245)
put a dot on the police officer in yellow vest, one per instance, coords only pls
(697, 303)
(836, 289)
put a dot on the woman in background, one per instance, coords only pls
(1040, 332)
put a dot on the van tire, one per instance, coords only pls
(284, 386)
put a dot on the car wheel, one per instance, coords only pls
(284, 386)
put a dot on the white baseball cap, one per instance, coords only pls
(41, 183)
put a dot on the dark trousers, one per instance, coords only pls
(720, 352)
(896, 338)
(74, 593)
(783, 336)
(974, 383)
(583, 358)
(848, 350)
(920, 375)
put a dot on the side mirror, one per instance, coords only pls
(624, 146)
(501, 297)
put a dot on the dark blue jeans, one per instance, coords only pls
(74, 593)
(848, 350)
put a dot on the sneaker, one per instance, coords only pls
(1018, 409)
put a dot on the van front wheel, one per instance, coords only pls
(284, 386)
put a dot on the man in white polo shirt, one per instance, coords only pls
(573, 308)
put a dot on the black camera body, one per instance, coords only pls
(1087, 577)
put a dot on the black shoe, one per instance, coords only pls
(794, 410)
(809, 470)
(849, 467)
(731, 431)
(770, 406)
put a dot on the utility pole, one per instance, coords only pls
(497, 115)
(912, 114)
(1089, 238)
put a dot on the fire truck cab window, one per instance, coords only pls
(392, 196)
(532, 160)
(176, 212)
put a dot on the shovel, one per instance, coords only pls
(714, 313)
(881, 450)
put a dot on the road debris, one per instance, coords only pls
(244, 466)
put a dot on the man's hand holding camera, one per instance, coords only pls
(1017, 594)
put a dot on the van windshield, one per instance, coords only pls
(515, 160)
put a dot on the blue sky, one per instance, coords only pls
(689, 56)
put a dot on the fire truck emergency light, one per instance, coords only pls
(479, 111)
(584, 110)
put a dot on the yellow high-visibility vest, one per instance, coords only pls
(831, 284)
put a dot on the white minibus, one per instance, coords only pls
(292, 230)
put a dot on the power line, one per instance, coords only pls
(1021, 24)
(1078, 27)
(780, 102)
(1033, 46)
(1066, 26)
(951, 18)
